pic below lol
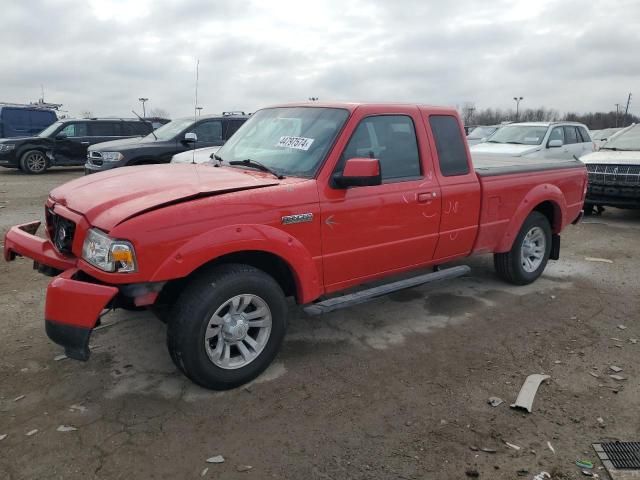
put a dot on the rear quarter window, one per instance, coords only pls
(584, 134)
(452, 154)
(104, 129)
(136, 129)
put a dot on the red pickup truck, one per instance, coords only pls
(304, 201)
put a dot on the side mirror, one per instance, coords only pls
(359, 172)
(555, 143)
(60, 136)
(190, 137)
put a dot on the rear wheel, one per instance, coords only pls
(34, 162)
(227, 326)
(529, 255)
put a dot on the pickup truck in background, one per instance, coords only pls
(614, 172)
(304, 201)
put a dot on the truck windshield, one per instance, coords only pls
(627, 140)
(519, 134)
(481, 132)
(291, 141)
(47, 132)
(170, 130)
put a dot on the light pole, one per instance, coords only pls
(199, 110)
(617, 113)
(518, 100)
(143, 100)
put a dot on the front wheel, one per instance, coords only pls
(34, 162)
(227, 326)
(529, 255)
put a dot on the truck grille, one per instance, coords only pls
(94, 158)
(619, 175)
(61, 231)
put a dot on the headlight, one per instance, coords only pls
(7, 147)
(112, 156)
(108, 254)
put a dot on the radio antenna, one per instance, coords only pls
(195, 111)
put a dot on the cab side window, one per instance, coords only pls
(452, 154)
(392, 140)
(557, 134)
(74, 130)
(570, 135)
(209, 131)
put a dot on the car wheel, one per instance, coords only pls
(227, 326)
(529, 255)
(34, 162)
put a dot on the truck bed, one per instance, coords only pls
(490, 165)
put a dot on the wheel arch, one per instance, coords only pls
(547, 199)
(269, 249)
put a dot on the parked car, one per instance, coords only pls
(480, 133)
(65, 142)
(311, 200)
(614, 172)
(600, 137)
(24, 120)
(161, 145)
(538, 140)
(200, 155)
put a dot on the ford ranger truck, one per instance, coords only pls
(304, 201)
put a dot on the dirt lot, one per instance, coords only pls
(396, 388)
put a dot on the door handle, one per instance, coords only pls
(84, 143)
(426, 196)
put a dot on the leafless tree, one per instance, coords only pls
(158, 112)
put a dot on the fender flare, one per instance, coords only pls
(222, 241)
(541, 193)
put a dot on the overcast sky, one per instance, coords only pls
(102, 55)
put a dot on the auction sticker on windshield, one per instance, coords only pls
(300, 143)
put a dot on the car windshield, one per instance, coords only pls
(519, 135)
(47, 132)
(291, 141)
(481, 132)
(170, 130)
(627, 140)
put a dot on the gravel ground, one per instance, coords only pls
(396, 388)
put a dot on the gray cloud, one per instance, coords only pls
(563, 54)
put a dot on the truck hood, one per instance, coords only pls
(504, 149)
(109, 198)
(604, 157)
(122, 144)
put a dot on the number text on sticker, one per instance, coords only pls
(299, 143)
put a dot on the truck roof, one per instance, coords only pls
(547, 124)
(351, 106)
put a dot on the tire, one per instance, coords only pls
(34, 162)
(521, 269)
(216, 303)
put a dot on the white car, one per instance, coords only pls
(614, 172)
(561, 140)
(600, 137)
(480, 133)
(200, 155)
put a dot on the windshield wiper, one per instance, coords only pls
(257, 165)
(516, 143)
(143, 120)
(616, 149)
(493, 141)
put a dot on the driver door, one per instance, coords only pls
(71, 144)
(371, 230)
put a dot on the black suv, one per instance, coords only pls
(65, 142)
(159, 146)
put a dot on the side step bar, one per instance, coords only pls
(363, 296)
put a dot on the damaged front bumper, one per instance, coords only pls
(72, 310)
(74, 300)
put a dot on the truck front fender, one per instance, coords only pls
(243, 238)
(536, 196)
